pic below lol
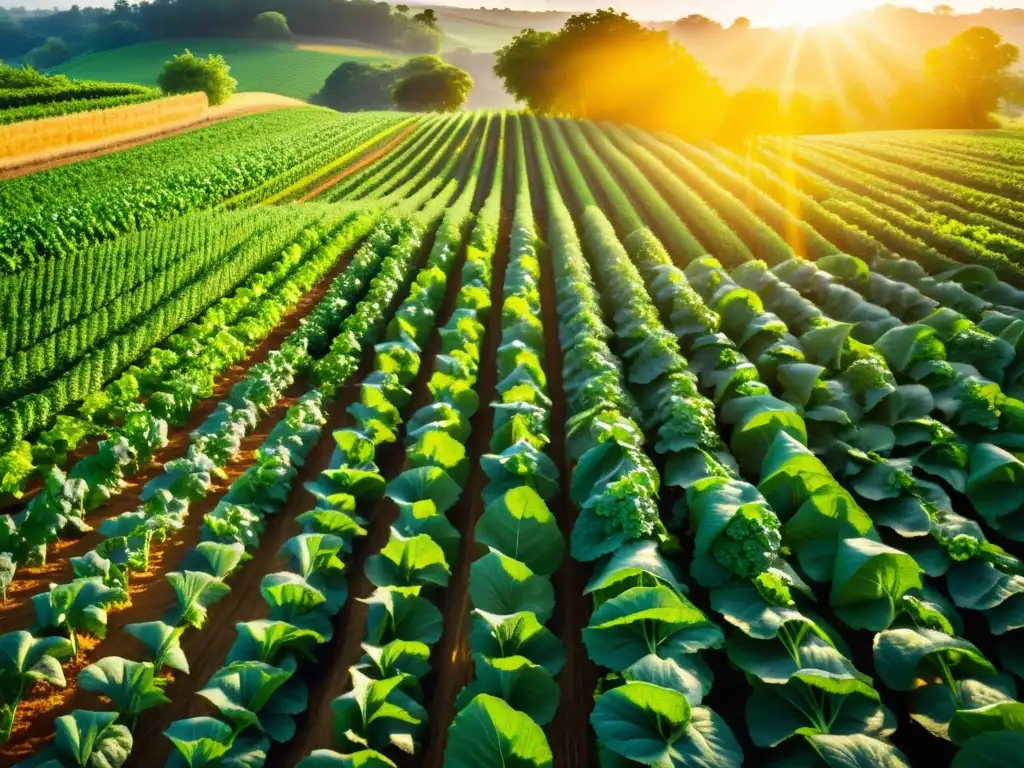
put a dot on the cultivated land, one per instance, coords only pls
(295, 70)
(518, 442)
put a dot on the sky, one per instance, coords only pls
(760, 12)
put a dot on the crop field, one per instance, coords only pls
(287, 69)
(39, 97)
(489, 440)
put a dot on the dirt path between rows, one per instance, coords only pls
(330, 677)
(359, 165)
(451, 662)
(569, 734)
(239, 105)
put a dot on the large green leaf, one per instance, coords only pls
(903, 656)
(656, 726)
(325, 758)
(809, 659)
(1001, 716)
(499, 584)
(316, 557)
(791, 474)
(757, 423)
(740, 603)
(520, 525)
(488, 732)
(857, 751)
(196, 592)
(636, 564)
(335, 485)
(130, 685)
(164, 643)
(412, 562)
(425, 484)
(93, 739)
(333, 522)
(399, 657)
(396, 615)
(775, 713)
(819, 525)
(378, 714)
(271, 641)
(200, 741)
(995, 484)
(520, 634)
(869, 582)
(422, 518)
(689, 675)
(994, 749)
(242, 689)
(520, 464)
(908, 345)
(936, 705)
(29, 659)
(524, 686)
(647, 620)
(439, 449)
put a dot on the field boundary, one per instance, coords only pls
(54, 157)
(42, 138)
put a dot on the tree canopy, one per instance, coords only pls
(606, 66)
(271, 25)
(188, 73)
(961, 84)
(422, 83)
(442, 88)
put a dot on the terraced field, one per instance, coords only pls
(488, 440)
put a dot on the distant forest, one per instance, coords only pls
(47, 38)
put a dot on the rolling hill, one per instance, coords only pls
(295, 70)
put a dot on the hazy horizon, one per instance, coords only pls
(760, 12)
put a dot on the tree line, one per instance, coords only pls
(606, 66)
(48, 38)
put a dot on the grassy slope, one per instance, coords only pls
(280, 68)
(483, 31)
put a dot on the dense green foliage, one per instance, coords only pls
(605, 448)
(271, 25)
(421, 84)
(187, 73)
(26, 94)
(80, 29)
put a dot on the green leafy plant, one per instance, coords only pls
(131, 686)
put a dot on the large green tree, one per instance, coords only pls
(606, 66)
(443, 88)
(188, 73)
(971, 73)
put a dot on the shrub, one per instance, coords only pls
(442, 89)
(187, 73)
(51, 53)
(272, 26)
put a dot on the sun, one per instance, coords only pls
(814, 13)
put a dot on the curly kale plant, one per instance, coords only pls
(627, 507)
(751, 541)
